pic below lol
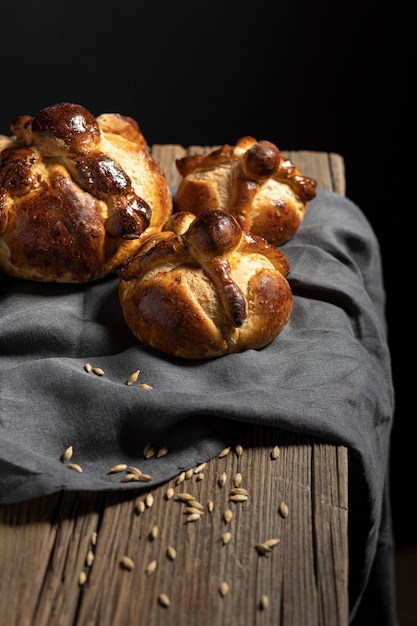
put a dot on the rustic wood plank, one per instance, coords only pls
(26, 542)
(165, 155)
(328, 169)
(304, 577)
(330, 524)
(75, 522)
(44, 543)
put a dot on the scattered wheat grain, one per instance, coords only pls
(120, 467)
(266, 546)
(275, 453)
(224, 452)
(128, 478)
(76, 467)
(194, 517)
(262, 548)
(133, 377)
(237, 479)
(171, 553)
(135, 470)
(184, 496)
(222, 479)
(223, 589)
(264, 602)
(127, 563)
(67, 454)
(238, 497)
(169, 493)
(192, 509)
(88, 367)
(149, 500)
(164, 600)
(151, 567)
(226, 537)
(180, 478)
(154, 533)
(150, 452)
(239, 450)
(82, 578)
(162, 452)
(196, 504)
(144, 478)
(98, 371)
(283, 509)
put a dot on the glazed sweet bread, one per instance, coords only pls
(78, 194)
(253, 181)
(204, 288)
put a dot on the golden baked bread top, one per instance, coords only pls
(203, 288)
(77, 194)
(263, 190)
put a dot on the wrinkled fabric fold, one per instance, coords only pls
(327, 374)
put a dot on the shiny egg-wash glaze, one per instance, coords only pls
(263, 190)
(204, 287)
(78, 194)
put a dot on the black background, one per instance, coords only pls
(325, 76)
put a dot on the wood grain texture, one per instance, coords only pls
(44, 543)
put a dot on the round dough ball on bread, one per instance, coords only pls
(78, 194)
(204, 288)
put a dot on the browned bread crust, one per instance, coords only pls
(78, 194)
(204, 288)
(263, 190)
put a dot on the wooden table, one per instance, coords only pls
(61, 555)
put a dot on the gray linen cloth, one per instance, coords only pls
(327, 374)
